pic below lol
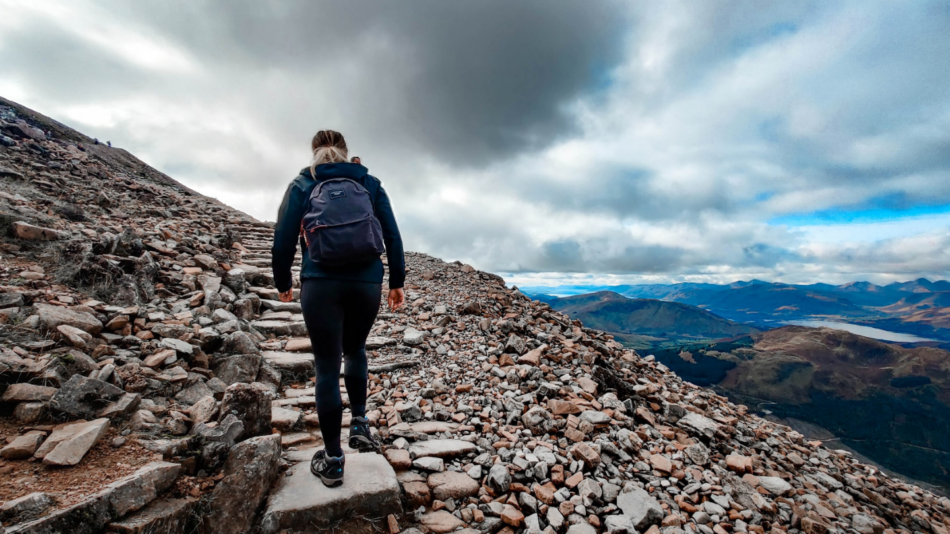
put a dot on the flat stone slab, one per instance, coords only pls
(425, 427)
(294, 362)
(278, 306)
(378, 342)
(28, 393)
(283, 419)
(440, 522)
(441, 448)
(69, 444)
(162, 516)
(280, 328)
(298, 344)
(300, 502)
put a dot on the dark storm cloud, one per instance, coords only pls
(462, 81)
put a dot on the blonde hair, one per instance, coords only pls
(328, 147)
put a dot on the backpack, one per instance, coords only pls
(340, 225)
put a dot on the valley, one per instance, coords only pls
(890, 403)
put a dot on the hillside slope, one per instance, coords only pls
(147, 370)
(889, 402)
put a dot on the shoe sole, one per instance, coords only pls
(331, 482)
(362, 443)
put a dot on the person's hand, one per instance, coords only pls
(397, 297)
(287, 296)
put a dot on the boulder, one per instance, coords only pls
(204, 410)
(240, 368)
(452, 485)
(23, 447)
(775, 485)
(295, 363)
(642, 509)
(250, 470)
(441, 448)
(68, 445)
(53, 316)
(35, 233)
(515, 344)
(440, 522)
(413, 337)
(194, 393)
(74, 336)
(499, 479)
(698, 425)
(538, 420)
(25, 508)
(84, 397)
(161, 516)
(283, 419)
(251, 404)
(28, 393)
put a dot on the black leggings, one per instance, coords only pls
(339, 315)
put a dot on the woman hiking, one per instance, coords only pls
(342, 218)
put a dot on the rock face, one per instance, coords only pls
(125, 495)
(249, 472)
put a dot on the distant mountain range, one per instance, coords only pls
(888, 402)
(642, 323)
(919, 307)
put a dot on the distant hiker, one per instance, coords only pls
(95, 140)
(342, 217)
(355, 159)
(109, 143)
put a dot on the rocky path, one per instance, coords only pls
(139, 328)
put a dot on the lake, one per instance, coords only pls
(866, 331)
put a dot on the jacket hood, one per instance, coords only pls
(337, 170)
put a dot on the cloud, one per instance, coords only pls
(645, 141)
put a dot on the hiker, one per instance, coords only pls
(342, 217)
(355, 159)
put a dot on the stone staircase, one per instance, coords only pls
(299, 502)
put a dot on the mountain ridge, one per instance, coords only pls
(916, 307)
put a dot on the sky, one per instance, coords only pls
(574, 142)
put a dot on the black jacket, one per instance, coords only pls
(287, 231)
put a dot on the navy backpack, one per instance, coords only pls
(340, 226)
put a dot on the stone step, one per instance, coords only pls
(301, 503)
(292, 362)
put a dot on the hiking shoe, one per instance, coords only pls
(329, 469)
(360, 437)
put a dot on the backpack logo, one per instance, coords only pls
(339, 193)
